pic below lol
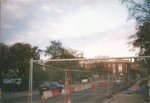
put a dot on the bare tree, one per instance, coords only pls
(140, 11)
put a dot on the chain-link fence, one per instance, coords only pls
(85, 80)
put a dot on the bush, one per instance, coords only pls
(24, 82)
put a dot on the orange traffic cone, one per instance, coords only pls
(69, 100)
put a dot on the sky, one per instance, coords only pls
(95, 27)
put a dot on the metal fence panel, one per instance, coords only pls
(90, 80)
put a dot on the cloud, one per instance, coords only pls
(7, 26)
(113, 43)
(88, 26)
(12, 10)
(46, 7)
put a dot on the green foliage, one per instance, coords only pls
(142, 39)
(41, 75)
(54, 50)
(140, 11)
(25, 79)
(20, 55)
(56, 75)
(4, 60)
(17, 57)
(57, 51)
(25, 82)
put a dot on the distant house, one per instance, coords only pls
(115, 66)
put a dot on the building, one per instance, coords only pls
(115, 66)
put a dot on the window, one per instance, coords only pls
(105, 65)
(120, 67)
(109, 65)
(113, 65)
(45, 84)
(125, 65)
(114, 71)
(126, 68)
(53, 84)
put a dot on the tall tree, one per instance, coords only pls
(141, 39)
(140, 11)
(4, 60)
(57, 51)
(54, 50)
(20, 54)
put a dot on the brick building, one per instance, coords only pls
(115, 66)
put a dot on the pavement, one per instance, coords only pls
(135, 86)
(129, 98)
(18, 94)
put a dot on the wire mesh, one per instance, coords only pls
(93, 80)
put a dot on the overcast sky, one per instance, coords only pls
(96, 27)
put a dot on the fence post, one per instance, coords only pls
(108, 81)
(29, 89)
(0, 96)
(129, 80)
(95, 88)
(65, 84)
(111, 82)
(31, 80)
(149, 87)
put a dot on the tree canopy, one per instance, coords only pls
(57, 51)
(140, 11)
(17, 57)
(141, 39)
(4, 60)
